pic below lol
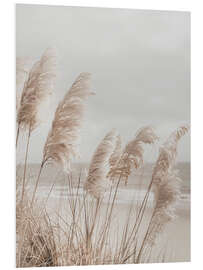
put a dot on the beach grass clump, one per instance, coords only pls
(35, 239)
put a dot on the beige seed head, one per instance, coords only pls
(132, 156)
(37, 88)
(166, 185)
(62, 144)
(168, 153)
(97, 180)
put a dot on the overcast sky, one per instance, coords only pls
(140, 65)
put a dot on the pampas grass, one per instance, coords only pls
(36, 89)
(97, 181)
(134, 149)
(116, 155)
(132, 156)
(86, 236)
(167, 197)
(92, 230)
(167, 154)
(22, 68)
(78, 238)
(36, 240)
(62, 144)
(166, 187)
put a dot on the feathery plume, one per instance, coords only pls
(22, 67)
(62, 141)
(134, 149)
(97, 182)
(116, 155)
(166, 185)
(167, 197)
(36, 90)
(167, 154)
(133, 153)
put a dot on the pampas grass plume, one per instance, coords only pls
(166, 184)
(63, 139)
(167, 154)
(97, 181)
(37, 88)
(22, 68)
(116, 155)
(132, 155)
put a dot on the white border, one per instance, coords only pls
(7, 162)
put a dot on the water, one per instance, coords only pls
(133, 192)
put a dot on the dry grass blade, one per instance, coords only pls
(36, 244)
